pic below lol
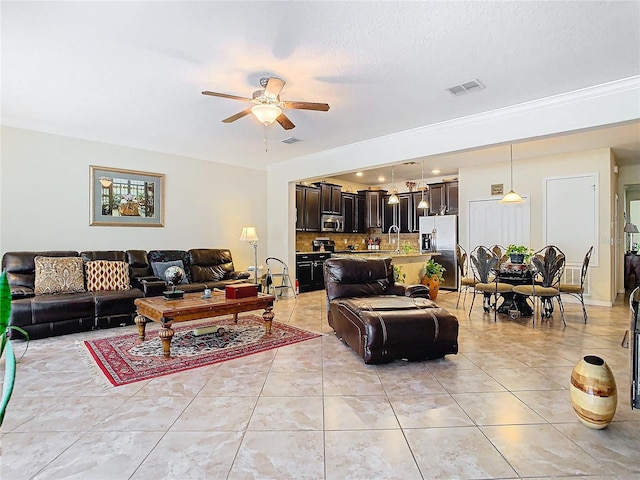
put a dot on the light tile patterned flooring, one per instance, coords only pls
(313, 410)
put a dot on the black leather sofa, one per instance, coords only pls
(381, 320)
(49, 315)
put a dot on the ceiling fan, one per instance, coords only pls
(268, 106)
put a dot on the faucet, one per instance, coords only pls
(398, 237)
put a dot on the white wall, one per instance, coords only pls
(528, 179)
(44, 198)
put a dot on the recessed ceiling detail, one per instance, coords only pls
(467, 87)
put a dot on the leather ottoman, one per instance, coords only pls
(381, 320)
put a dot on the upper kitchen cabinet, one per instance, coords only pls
(353, 209)
(436, 198)
(400, 215)
(443, 196)
(331, 198)
(373, 202)
(451, 193)
(307, 208)
(416, 197)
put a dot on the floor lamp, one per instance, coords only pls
(250, 235)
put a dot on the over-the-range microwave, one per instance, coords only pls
(332, 223)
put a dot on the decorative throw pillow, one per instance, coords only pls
(160, 267)
(58, 275)
(107, 275)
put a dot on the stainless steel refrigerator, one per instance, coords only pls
(439, 233)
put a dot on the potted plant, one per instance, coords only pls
(398, 275)
(433, 276)
(518, 253)
(6, 349)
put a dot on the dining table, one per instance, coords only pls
(514, 304)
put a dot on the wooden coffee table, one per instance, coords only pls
(194, 307)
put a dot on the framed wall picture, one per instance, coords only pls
(126, 198)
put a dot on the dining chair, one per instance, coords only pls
(577, 291)
(466, 282)
(484, 264)
(501, 253)
(547, 267)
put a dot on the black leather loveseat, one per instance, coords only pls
(381, 320)
(102, 306)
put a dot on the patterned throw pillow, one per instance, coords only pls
(107, 275)
(58, 275)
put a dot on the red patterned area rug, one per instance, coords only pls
(124, 359)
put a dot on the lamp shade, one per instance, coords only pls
(266, 114)
(249, 234)
(393, 199)
(630, 228)
(512, 197)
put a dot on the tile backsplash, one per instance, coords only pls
(304, 240)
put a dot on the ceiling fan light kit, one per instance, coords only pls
(266, 114)
(268, 106)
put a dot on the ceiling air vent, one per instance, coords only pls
(466, 87)
(291, 140)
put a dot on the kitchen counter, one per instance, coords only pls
(385, 253)
(411, 264)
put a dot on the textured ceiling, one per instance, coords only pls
(131, 73)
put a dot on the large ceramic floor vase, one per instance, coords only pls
(594, 395)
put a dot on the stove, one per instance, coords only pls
(323, 244)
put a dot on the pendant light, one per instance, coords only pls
(512, 197)
(393, 199)
(423, 204)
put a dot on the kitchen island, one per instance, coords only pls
(412, 263)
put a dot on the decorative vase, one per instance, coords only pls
(434, 285)
(516, 257)
(594, 395)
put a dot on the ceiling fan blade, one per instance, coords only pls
(273, 88)
(235, 117)
(226, 95)
(323, 107)
(285, 122)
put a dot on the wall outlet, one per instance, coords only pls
(393, 240)
(345, 241)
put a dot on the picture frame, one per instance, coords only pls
(126, 198)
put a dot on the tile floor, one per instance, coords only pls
(498, 409)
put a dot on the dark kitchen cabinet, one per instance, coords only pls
(307, 208)
(400, 214)
(331, 198)
(373, 204)
(310, 271)
(436, 198)
(451, 195)
(418, 212)
(360, 214)
(353, 209)
(443, 195)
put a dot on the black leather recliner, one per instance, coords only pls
(381, 320)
